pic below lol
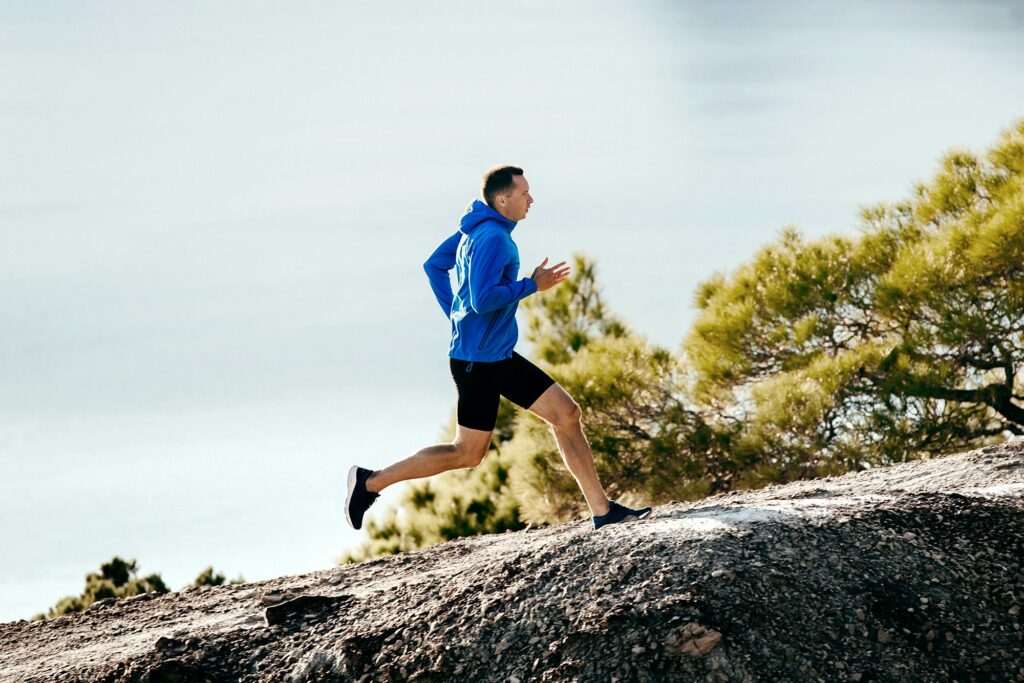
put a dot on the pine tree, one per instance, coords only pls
(846, 352)
(116, 579)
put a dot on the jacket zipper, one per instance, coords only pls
(488, 330)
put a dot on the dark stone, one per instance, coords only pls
(304, 605)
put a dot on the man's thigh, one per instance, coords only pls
(528, 386)
(478, 386)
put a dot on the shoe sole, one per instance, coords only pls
(645, 515)
(634, 518)
(628, 518)
(351, 489)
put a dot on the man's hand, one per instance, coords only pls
(546, 278)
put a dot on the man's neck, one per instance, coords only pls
(505, 215)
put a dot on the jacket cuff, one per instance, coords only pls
(531, 286)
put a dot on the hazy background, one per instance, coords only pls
(213, 221)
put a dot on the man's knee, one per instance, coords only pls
(471, 454)
(568, 417)
(472, 458)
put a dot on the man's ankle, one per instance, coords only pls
(367, 483)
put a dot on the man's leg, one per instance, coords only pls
(559, 410)
(468, 449)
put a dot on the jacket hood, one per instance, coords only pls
(479, 212)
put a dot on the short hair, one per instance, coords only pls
(498, 179)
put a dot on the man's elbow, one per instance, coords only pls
(431, 266)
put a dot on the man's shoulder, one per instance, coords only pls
(491, 234)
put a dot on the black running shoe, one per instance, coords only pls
(359, 499)
(619, 513)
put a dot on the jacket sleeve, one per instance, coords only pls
(437, 267)
(487, 259)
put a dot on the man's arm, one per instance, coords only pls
(437, 267)
(487, 259)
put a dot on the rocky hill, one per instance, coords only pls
(906, 573)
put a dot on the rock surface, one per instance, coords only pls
(905, 573)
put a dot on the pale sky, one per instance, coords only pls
(213, 220)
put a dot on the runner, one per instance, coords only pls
(481, 354)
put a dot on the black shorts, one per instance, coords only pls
(480, 384)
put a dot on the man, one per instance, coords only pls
(483, 363)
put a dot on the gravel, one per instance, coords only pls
(905, 573)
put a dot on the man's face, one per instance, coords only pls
(514, 204)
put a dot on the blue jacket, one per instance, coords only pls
(486, 261)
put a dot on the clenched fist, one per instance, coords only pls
(546, 278)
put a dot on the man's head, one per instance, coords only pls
(506, 191)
